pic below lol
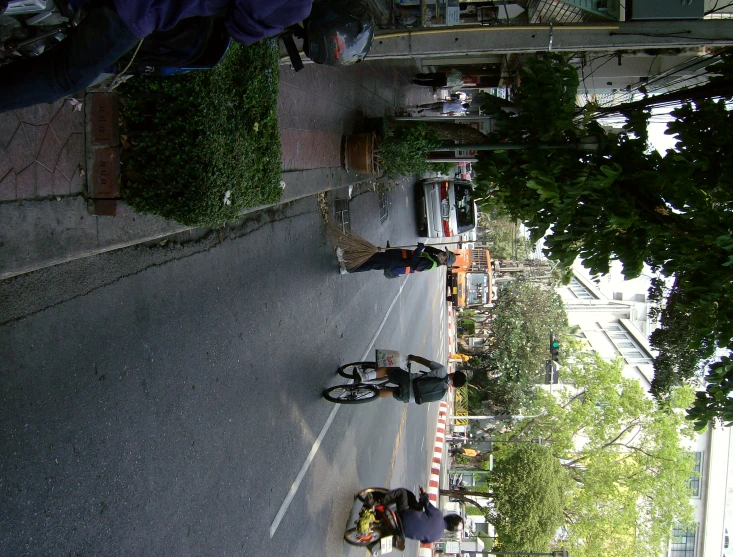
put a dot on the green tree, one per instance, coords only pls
(524, 315)
(502, 237)
(625, 202)
(624, 454)
(528, 487)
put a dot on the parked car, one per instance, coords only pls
(445, 207)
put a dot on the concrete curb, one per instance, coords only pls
(433, 489)
(58, 231)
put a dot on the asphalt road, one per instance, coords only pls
(166, 400)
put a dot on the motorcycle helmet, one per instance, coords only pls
(338, 32)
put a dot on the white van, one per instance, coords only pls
(445, 207)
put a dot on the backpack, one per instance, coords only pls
(429, 389)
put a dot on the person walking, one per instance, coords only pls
(467, 451)
(459, 358)
(111, 28)
(452, 79)
(416, 387)
(395, 262)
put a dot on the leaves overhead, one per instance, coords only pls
(625, 202)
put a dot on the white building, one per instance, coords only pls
(618, 326)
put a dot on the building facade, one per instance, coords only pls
(618, 326)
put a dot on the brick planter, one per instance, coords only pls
(103, 153)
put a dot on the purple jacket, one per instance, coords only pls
(248, 21)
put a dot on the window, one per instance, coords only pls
(613, 327)
(580, 291)
(683, 543)
(696, 478)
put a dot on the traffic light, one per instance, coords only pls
(554, 347)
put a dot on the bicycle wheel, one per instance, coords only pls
(349, 370)
(355, 538)
(351, 394)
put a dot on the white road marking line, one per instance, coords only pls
(316, 445)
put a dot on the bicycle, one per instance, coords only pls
(358, 392)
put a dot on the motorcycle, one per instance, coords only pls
(373, 525)
(337, 32)
(30, 27)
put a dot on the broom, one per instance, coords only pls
(357, 250)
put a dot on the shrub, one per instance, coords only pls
(404, 148)
(469, 325)
(206, 145)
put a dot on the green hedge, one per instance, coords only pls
(469, 325)
(404, 148)
(205, 145)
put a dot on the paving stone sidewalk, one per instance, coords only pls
(44, 215)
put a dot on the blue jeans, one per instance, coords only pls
(89, 50)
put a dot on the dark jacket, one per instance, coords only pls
(248, 21)
(423, 258)
(430, 389)
(426, 525)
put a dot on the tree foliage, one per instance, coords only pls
(626, 202)
(524, 315)
(624, 453)
(529, 486)
(502, 237)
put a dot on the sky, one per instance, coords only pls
(656, 129)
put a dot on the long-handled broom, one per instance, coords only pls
(356, 250)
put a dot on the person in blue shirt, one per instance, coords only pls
(421, 520)
(111, 28)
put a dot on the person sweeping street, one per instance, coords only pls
(395, 262)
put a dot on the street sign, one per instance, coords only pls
(452, 546)
(552, 373)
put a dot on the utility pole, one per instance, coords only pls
(507, 39)
(500, 417)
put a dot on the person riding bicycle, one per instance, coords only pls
(415, 387)
(421, 520)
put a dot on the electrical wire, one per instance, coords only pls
(716, 9)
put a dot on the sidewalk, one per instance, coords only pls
(45, 171)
